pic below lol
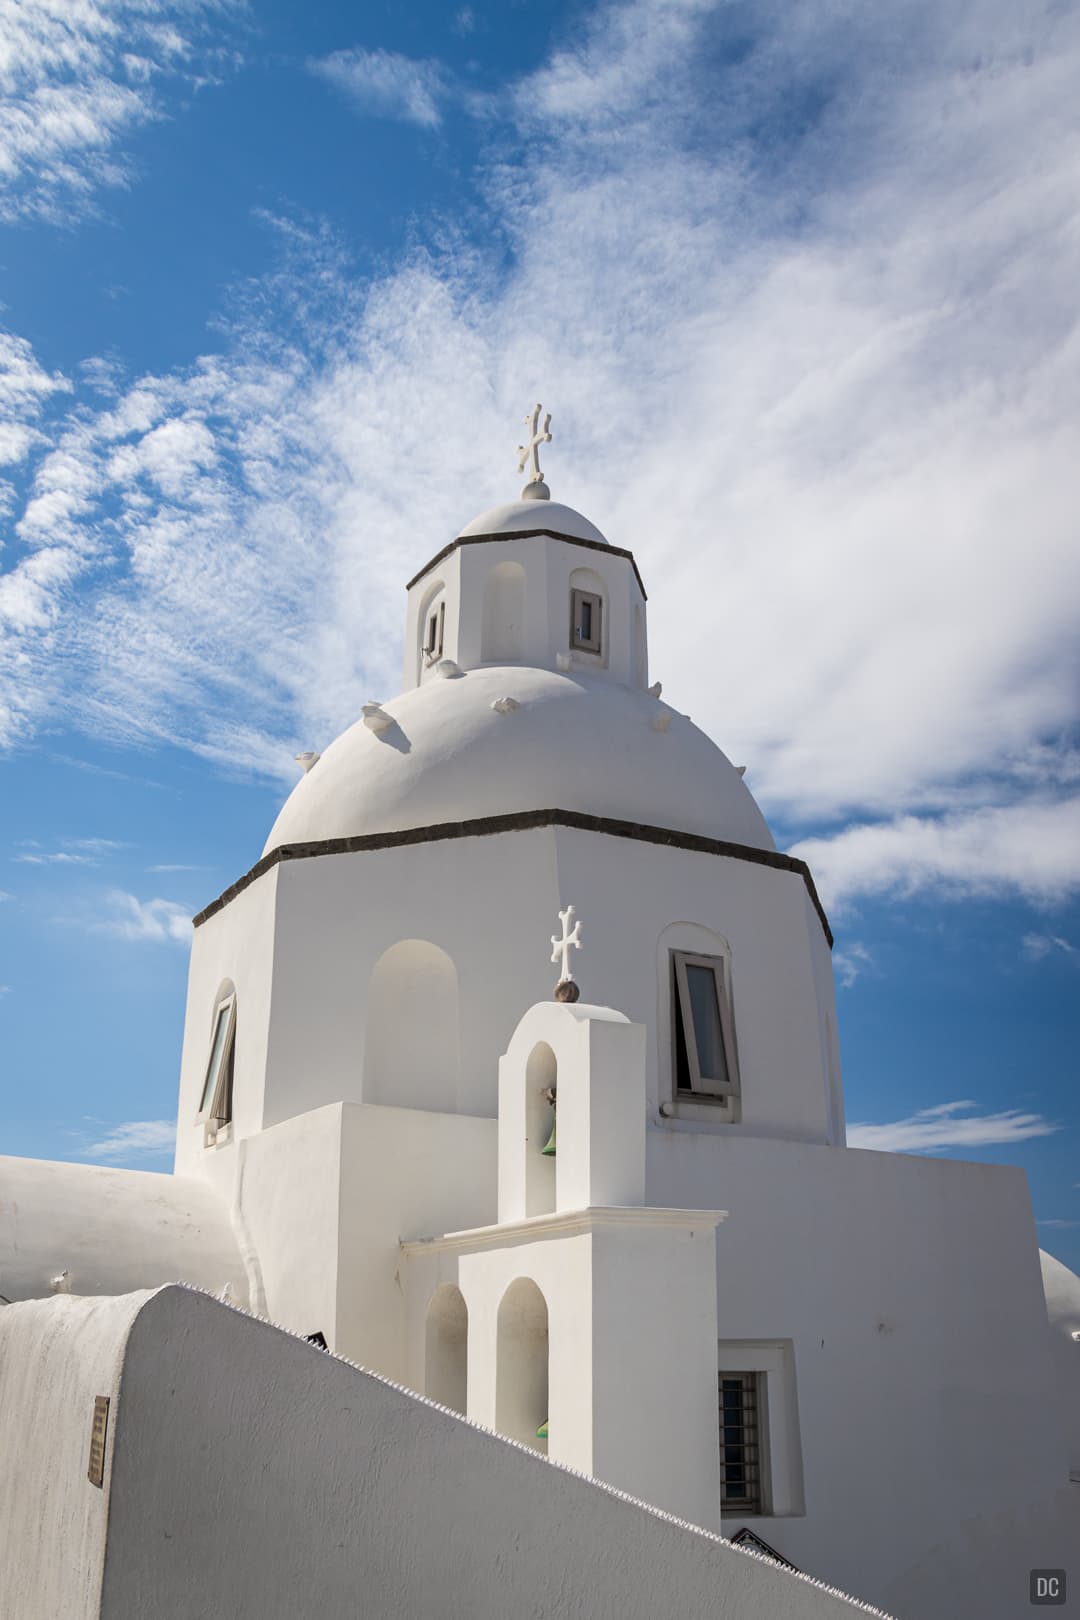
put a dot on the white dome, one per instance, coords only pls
(517, 516)
(575, 742)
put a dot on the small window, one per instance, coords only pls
(433, 642)
(585, 621)
(740, 1443)
(702, 1025)
(216, 1105)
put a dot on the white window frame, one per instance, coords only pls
(217, 1080)
(703, 1087)
(593, 644)
(779, 1446)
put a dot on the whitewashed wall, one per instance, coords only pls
(297, 1485)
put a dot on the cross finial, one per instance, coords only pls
(566, 989)
(535, 489)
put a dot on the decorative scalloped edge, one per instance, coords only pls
(549, 1462)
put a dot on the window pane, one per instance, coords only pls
(586, 621)
(705, 1011)
(217, 1052)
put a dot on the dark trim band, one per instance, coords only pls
(520, 821)
(524, 534)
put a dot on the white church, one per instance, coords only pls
(511, 1075)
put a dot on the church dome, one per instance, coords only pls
(518, 517)
(571, 742)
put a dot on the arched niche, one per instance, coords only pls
(521, 1367)
(412, 1045)
(446, 1346)
(541, 1075)
(503, 624)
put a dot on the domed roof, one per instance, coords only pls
(574, 742)
(536, 513)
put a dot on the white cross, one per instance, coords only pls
(532, 449)
(571, 936)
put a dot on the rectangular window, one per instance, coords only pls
(433, 644)
(704, 1058)
(216, 1105)
(585, 625)
(740, 1443)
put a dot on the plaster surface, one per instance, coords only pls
(56, 1356)
(299, 1485)
(106, 1231)
(514, 516)
(576, 741)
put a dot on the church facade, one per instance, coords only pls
(511, 1068)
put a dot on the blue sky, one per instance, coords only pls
(798, 284)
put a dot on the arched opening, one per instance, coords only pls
(541, 1076)
(446, 1348)
(412, 1047)
(503, 625)
(521, 1368)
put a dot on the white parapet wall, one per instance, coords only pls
(250, 1475)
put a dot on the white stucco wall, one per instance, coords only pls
(297, 1485)
(910, 1290)
(56, 1356)
(111, 1231)
(490, 904)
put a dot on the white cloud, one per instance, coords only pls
(175, 866)
(5, 989)
(1057, 1223)
(940, 1127)
(145, 1138)
(72, 90)
(822, 379)
(1029, 848)
(386, 84)
(851, 962)
(134, 919)
(1036, 946)
(59, 857)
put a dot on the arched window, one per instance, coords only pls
(503, 626)
(215, 1109)
(521, 1367)
(412, 1045)
(446, 1348)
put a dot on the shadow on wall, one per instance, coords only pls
(521, 1368)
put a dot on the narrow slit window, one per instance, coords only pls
(585, 621)
(740, 1443)
(704, 1057)
(216, 1105)
(433, 642)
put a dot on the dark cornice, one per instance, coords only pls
(520, 821)
(524, 534)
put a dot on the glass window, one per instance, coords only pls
(216, 1105)
(585, 621)
(704, 1055)
(740, 1443)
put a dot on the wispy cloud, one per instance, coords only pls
(950, 1125)
(388, 85)
(1030, 848)
(795, 343)
(175, 866)
(58, 857)
(145, 1138)
(134, 919)
(1037, 946)
(76, 79)
(5, 989)
(850, 962)
(1057, 1223)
